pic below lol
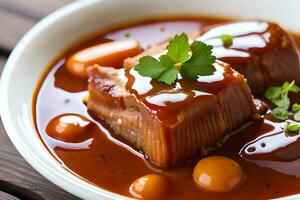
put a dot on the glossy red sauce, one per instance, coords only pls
(248, 37)
(167, 101)
(269, 158)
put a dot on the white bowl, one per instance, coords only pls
(49, 37)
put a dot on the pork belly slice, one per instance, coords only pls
(262, 51)
(170, 123)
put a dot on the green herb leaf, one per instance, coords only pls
(273, 93)
(169, 75)
(227, 40)
(85, 99)
(296, 108)
(200, 63)
(289, 87)
(283, 102)
(279, 94)
(297, 116)
(178, 48)
(292, 129)
(280, 113)
(296, 111)
(292, 87)
(149, 67)
(179, 59)
(162, 70)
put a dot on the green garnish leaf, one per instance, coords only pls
(273, 93)
(296, 111)
(149, 67)
(200, 63)
(162, 70)
(296, 108)
(279, 96)
(227, 40)
(280, 113)
(293, 87)
(178, 48)
(85, 99)
(297, 116)
(188, 60)
(170, 73)
(290, 87)
(292, 129)
(282, 102)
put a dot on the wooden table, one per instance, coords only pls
(18, 180)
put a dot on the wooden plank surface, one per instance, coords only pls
(18, 180)
(15, 27)
(18, 16)
(35, 9)
(2, 62)
(6, 196)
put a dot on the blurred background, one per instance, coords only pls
(17, 179)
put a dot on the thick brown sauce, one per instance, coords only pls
(104, 161)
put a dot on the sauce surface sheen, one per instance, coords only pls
(269, 158)
(167, 101)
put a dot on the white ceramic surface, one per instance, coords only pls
(50, 36)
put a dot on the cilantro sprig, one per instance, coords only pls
(190, 61)
(279, 96)
(292, 129)
(280, 113)
(296, 111)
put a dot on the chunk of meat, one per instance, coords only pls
(262, 51)
(170, 123)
